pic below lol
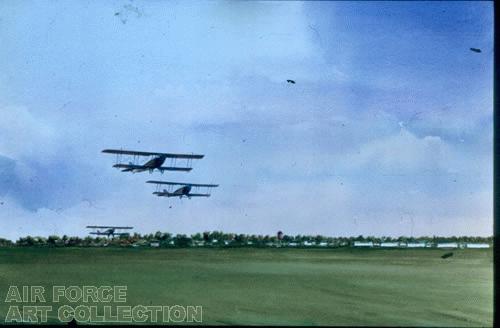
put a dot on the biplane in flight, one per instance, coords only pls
(108, 230)
(155, 162)
(183, 191)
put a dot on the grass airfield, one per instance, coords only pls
(247, 286)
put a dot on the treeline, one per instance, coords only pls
(219, 238)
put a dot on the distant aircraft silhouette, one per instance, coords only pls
(475, 50)
(291, 81)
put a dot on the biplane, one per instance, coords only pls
(109, 230)
(156, 160)
(183, 191)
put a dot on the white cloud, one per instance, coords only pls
(403, 152)
(24, 135)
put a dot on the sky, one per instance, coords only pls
(386, 132)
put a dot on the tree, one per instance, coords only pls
(241, 239)
(74, 241)
(182, 241)
(87, 241)
(5, 242)
(166, 237)
(197, 237)
(53, 240)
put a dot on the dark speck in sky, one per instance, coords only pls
(444, 256)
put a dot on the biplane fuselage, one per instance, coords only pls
(183, 191)
(154, 163)
(107, 232)
(180, 192)
(110, 232)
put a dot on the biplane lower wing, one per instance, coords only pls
(145, 153)
(107, 227)
(198, 195)
(182, 184)
(131, 167)
(170, 194)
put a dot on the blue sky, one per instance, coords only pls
(387, 131)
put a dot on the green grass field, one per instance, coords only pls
(276, 286)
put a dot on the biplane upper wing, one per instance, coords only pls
(182, 184)
(145, 153)
(107, 227)
(163, 168)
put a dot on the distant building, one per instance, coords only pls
(155, 244)
(389, 244)
(476, 245)
(416, 245)
(307, 243)
(363, 244)
(292, 244)
(447, 245)
(323, 244)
